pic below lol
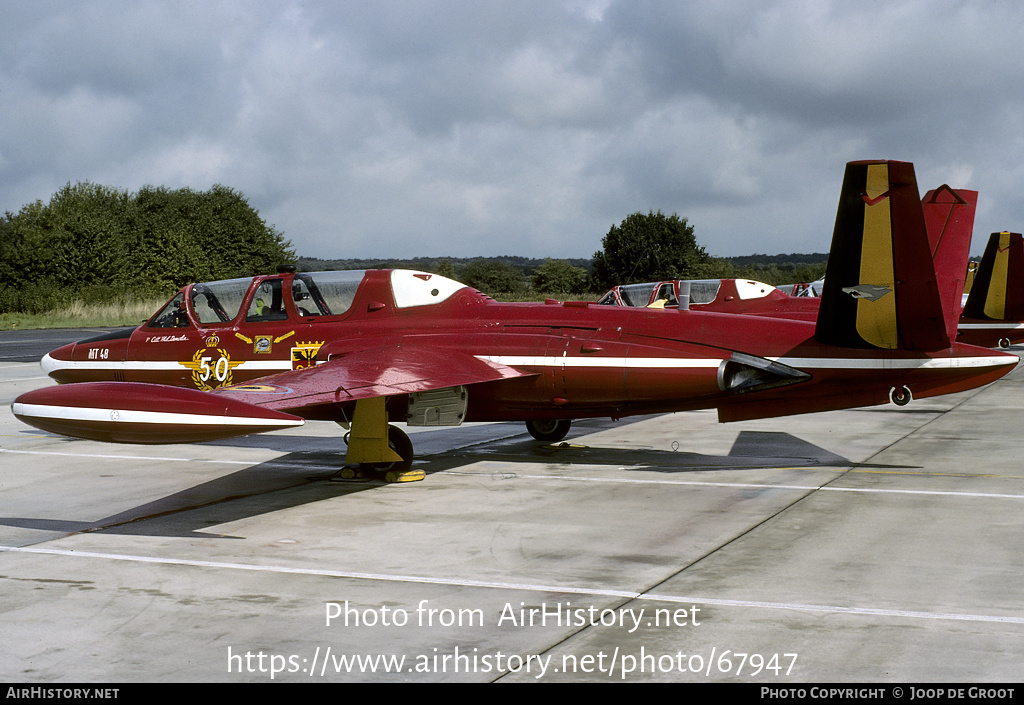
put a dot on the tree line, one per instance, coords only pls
(644, 247)
(97, 244)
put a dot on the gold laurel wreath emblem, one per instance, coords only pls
(212, 369)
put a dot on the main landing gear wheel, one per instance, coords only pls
(398, 471)
(553, 430)
(900, 396)
(1004, 343)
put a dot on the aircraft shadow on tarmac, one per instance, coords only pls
(310, 475)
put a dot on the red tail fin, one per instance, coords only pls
(949, 220)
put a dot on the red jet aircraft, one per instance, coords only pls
(746, 296)
(993, 315)
(994, 312)
(235, 357)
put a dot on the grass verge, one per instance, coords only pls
(79, 314)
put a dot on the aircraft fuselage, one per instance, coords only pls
(577, 359)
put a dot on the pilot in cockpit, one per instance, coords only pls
(268, 303)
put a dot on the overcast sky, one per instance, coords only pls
(478, 128)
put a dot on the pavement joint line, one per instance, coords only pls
(754, 485)
(131, 457)
(835, 609)
(649, 481)
(323, 572)
(499, 585)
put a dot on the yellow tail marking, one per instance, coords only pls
(995, 299)
(876, 320)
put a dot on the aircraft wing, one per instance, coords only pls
(135, 412)
(362, 374)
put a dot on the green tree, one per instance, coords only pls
(446, 269)
(493, 277)
(556, 276)
(648, 248)
(187, 236)
(100, 244)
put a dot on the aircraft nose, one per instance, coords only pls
(55, 361)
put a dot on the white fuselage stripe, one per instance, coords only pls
(823, 363)
(923, 363)
(621, 362)
(938, 363)
(75, 413)
(991, 326)
(49, 363)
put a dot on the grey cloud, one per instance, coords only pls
(399, 128)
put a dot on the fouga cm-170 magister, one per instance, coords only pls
(230, 358)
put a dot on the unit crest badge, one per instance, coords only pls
(304, 354)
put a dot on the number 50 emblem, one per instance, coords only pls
(211, 368)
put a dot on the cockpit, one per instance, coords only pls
(307, 295)
(683, 293)
(666, 294)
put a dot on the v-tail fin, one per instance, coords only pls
(949, 220)
(998, 290)
(880, 286)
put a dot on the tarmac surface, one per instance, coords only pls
(873, 545)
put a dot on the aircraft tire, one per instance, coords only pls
(1004, 343)
(900, 396)
(399, 442)
(553, 430)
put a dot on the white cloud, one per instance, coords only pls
(401, 129)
